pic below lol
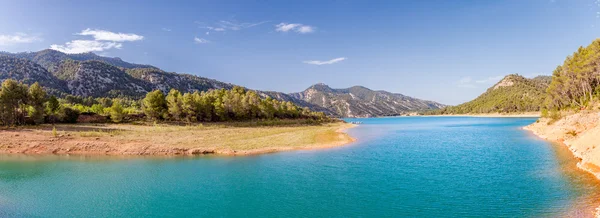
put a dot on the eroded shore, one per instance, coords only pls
(580, 132)
(527, 114)
(166, 140)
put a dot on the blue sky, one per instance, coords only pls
(447, 51)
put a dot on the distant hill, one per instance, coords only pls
(358, 101)
(90, 75)
(514, 93)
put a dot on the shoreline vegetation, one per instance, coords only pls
(571, 108)
(218, 121)
(230, 139)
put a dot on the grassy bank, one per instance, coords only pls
(242, 138)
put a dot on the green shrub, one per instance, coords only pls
(116, 112)
(68, 115)
(545, 112)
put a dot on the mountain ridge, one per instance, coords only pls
(359, 101)
(91, 75)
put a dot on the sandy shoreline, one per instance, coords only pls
(130, 140)
(580, 133)
(528, 114)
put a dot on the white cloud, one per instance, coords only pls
(332, 61)
(200, 40)
(166, 29)
(306, 29)
(103, 35)
(83, 46)
(228, 25)
(103, 40)
(18, 38)
(490, 80)
(297, 27)
(284, 27)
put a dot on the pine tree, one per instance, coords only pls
(155, 105)
(37, 98)
(13, 98)
(116, 112)
(190, 107)
(174, 104)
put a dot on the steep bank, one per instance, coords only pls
(171, 140)
(580, 132)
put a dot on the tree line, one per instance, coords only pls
(21, 104)
(236, 104)
(576, 82)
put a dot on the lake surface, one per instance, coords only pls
(399, 167)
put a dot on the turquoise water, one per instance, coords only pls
(400, 167)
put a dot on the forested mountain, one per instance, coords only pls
(30, 72)
(99, 79)
(358, 101)
(514, 93)
(166, 81)
(90, 75)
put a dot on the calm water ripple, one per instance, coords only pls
(400, 167)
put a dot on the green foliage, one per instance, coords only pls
(544, 112)
(14, 97)
(175, 104)
(97, 109)
(54, 132)
(52, 105)
(37, 98)
(576, 83)
(117, 112)
(190, 107)
(68, 115)
(236, 104)
(555, 115)
(155, 105)
(513, 94)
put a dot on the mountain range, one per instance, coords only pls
(88, 74)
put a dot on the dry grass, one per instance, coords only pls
(172, 139)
